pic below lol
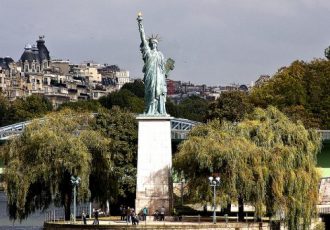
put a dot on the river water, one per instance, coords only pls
(34, 222)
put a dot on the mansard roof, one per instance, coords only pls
(4, 62)
(28, 54)
(36, 53)
(43, 51)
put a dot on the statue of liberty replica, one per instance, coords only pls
(155, 69)
(154, 183)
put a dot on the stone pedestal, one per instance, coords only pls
(154, 184)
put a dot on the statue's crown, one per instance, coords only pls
(154, 39)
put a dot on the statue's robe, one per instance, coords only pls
(154, 81)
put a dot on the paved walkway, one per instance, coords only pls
(150, 224)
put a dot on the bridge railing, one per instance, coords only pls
(325, 134)
(180, 128)
(11, 130)
(323, 210)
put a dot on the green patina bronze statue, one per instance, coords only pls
(154, 70)
(327, 53)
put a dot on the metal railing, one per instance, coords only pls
(325, 134)
(179, 128)
(323, 210)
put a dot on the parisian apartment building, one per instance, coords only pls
(58, 80)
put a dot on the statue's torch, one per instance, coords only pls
(139, 18)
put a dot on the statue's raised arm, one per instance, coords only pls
(141, 29)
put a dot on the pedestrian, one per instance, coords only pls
(144, 213)
(156, 215)
(122, 212)
(128, 214)
(135, 219)
(84, 217)
(162, 213)
(96, 216)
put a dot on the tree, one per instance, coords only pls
(193, 108)
(40, 162)
(23, 109)
(121, 127)
(4, 110)
(300, 88)
(231, 106)
(137, 88)
(172, 108)
(82, 105)
(266, 160)
(124, 99)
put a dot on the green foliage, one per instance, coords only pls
(23, 109)
(124, 99)
(40, 162)
(301, 90)
(172, 108)
(121, 126)
(4, 110)
(265, 159)
(230, 106)
(137, 88)
(82, 105)
(319, 226)
(193, 108)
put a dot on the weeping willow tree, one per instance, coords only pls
(40, 162)
(266, 161)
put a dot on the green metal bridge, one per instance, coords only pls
(179, 129)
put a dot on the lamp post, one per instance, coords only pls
(214, 182)
(182, 183)
(75, 182)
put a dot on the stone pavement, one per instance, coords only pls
(150, 224)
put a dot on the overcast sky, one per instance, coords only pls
(216, 42)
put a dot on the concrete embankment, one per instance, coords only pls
(119, 225)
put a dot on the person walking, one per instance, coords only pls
(135, 218)
(122, 212)
(84, 217)
(96, 217)
(162, 213)
(144, 213)
(128, 214)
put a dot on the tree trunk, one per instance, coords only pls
(67, 207)
(240, 208)
(226, 209)
(66, 194)
(205, 208)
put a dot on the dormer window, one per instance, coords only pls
(26, 68)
